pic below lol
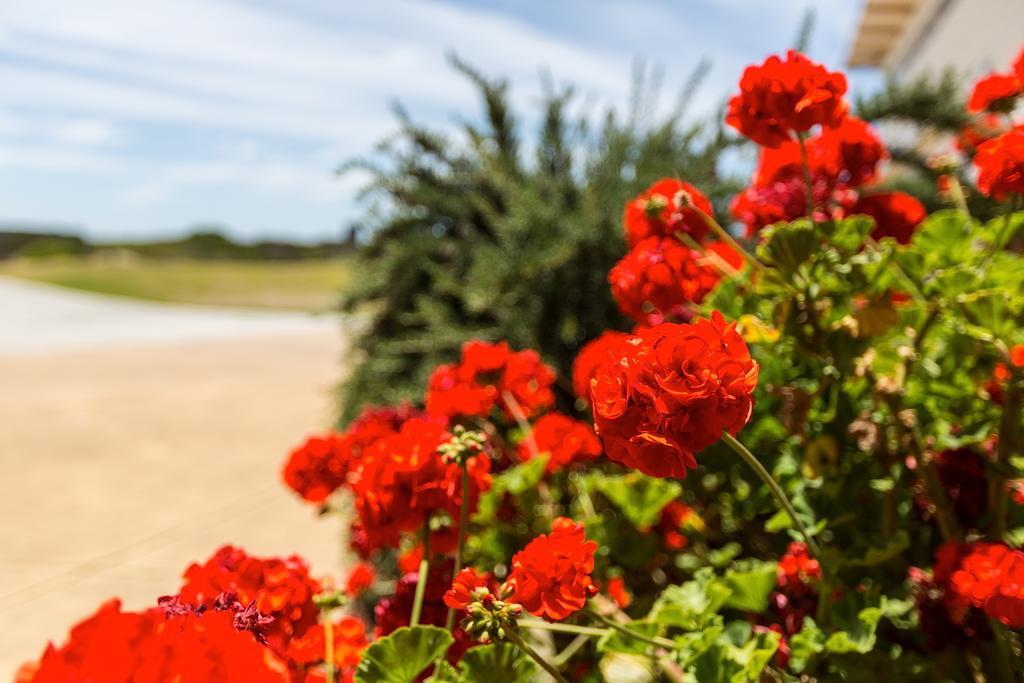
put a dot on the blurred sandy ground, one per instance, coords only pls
(136, 438)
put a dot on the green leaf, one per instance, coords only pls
(849, 234)
(859, 635)
(616, 641)
(640, 498)
(750, 586)
(522, 477)
(788, 245)
(875, 555)
(496, 663)
(754, 656)
(401, 656)
(691, 605)
(805, 644)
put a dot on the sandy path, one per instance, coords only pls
(128, 454)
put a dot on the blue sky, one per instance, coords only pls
(140, 118)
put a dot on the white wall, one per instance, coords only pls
(974, 36)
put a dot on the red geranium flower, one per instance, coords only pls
(280, 587)
(359, 579)
(468, 587)
(1000, 163)
(489, 376)
(593, 354)
(619, 592)
(991, 576)
(675, 517)
(995, 92)
(154, 646)
(659, 279)
(403, 479)
(674, 391)
(797, 567)
(665, 208)
(851, 151)
(550, 577)
(565, 440)
(896, 214)
(782, 97)
(318, 467)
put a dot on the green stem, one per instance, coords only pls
(723, 234)
(463, 515)
(571, 649)
(421, 577)
(611, 623)
(544, 664)
(997, 244)
(808, 187)
(780, 495)
(328, 645)
(539, 625)
(1009, 432)
(1002, 666)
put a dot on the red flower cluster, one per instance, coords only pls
(280, 587)
(797, 568)
(782, 97)
(154, 646)
(980, 575)
(991, 576)
(489, 376)
(665, 208)
(962, 474)
(672, 392)
(594, 354)
(359, 578)
(321, 465)
(564, 439)
(550, 577)
(995, 92)
(840, 160)
(896, 214)
(402, 480)
(660, 279)
(675, 518)
(318, 467)
(1000, 164)
(998, 92)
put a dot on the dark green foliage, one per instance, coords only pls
(936, 102)
(498, 234)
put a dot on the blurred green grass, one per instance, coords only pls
(308, 284)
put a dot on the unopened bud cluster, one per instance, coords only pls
(463, 445)
(490, 619)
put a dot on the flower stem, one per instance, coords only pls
(611, 623)
(571, 649)
(524, 425)
(723, 234)
(544, 664)
(808, 187)
(421, 577)
(776, 490)
(539, 625)
(328, 645)
(449, 623)
(1009, 433)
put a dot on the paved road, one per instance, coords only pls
(136, 438)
